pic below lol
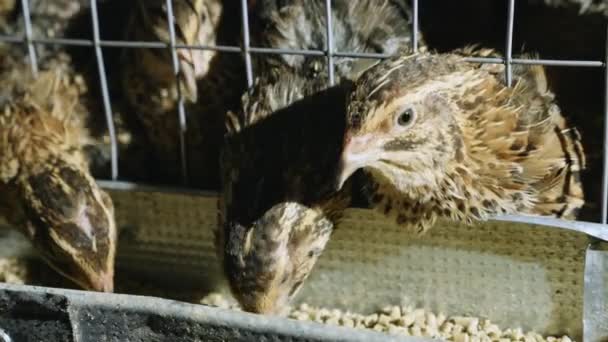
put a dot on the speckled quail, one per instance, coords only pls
(210, 82)
(45, 185)
(278, 206)
(441, 137)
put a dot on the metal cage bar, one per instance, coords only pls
(509, 44)
(181, 110)
(104, 89)
(277, 51)
(604, 200)
(246, 37)
(31, 49)
(415, 26)
(329, 49)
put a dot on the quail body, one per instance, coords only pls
(208, 82)
(369, 26)
(278, 205)
(45, 185)
(441, 137)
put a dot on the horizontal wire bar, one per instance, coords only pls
(118, 43)
(11, 39)
(558, 62)
(276, 51)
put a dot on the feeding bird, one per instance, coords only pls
(45, 185)
(363, 26)
(441, 137)
(278, 205)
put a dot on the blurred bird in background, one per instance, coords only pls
(301, 25)
(207, 82)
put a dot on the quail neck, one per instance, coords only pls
(442, 137)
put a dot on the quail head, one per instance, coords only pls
(267, 262)
(149, 72)
(370, 26)
(441, 137)
(278, 205)
(45, 185)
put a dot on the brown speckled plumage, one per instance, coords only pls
(372, 26)
(441, 137)
(278, 206)
(45, 185)
(210, 82)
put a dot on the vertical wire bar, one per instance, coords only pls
(605, 170)
(509, 47)
(181, 110)
(329, 51)
(246, 37)
(28, 36)
(104, 90)
(415, 26)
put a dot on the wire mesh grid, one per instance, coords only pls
(247, 50)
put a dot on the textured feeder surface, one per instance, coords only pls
(516, 275)
(43, 314)
(596, 298)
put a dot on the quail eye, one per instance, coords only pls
(406, 117)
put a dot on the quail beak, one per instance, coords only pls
(358, 152)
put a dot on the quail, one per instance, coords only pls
(281, 156)
(278, 204)
(364, 26)
(441, 137)
(45, 185)
(208, 81)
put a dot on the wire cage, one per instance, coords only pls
(594, 296)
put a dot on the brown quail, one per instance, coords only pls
(278, 206)
(209, 82)
(45, 185)
(441, 137)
